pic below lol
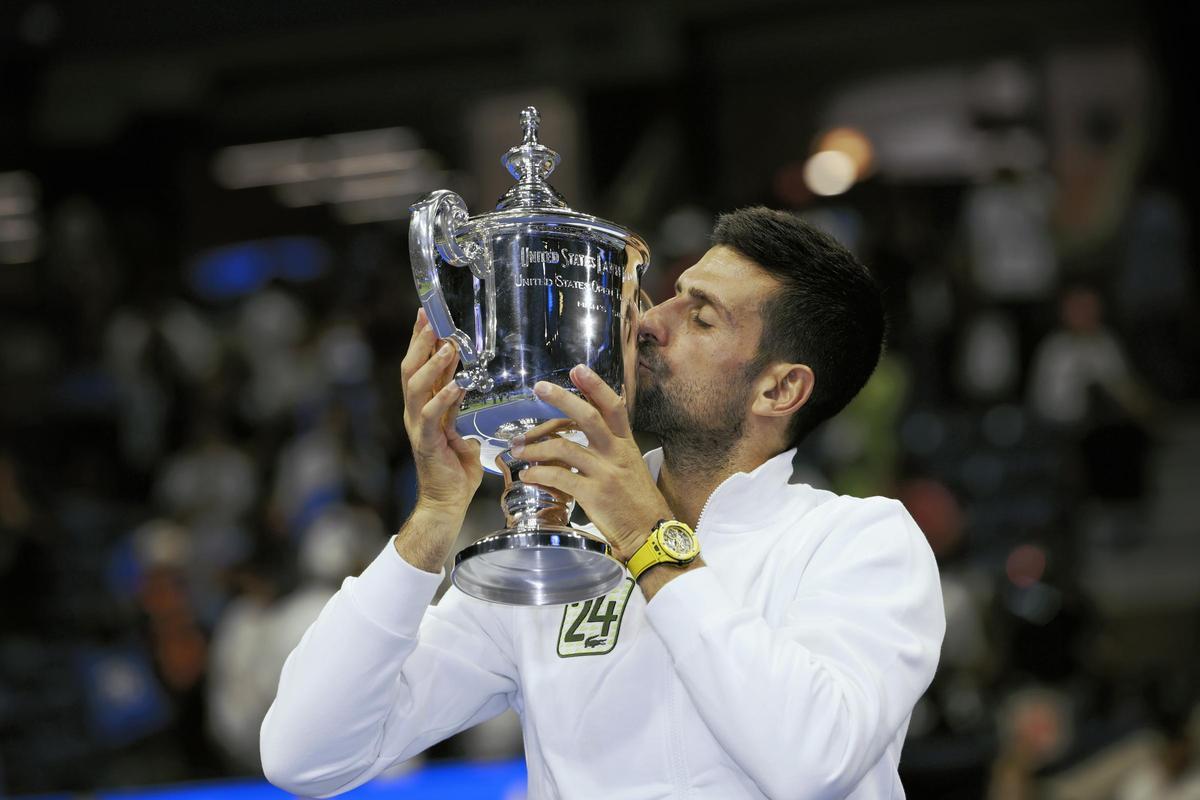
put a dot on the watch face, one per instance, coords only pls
(677, 541)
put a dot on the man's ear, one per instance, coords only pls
(783, 389)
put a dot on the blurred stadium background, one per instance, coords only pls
(205, 296)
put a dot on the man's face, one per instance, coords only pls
(695, 350)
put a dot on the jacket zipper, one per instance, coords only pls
(711, 495)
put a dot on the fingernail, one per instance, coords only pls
(541, 388)
(445, 350)
(521, 474)
(518, 446)
(584, 370)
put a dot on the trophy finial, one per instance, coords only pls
(531, 163)
(529, 124)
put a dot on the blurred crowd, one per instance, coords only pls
(187, 476)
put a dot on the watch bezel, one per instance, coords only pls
(682, 558)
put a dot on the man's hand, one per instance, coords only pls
(448, 468)
(613, 484)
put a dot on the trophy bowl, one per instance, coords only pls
(526, 292)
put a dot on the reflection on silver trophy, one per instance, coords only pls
(527, 292)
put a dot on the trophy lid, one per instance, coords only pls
(534, 201)
(531, 162)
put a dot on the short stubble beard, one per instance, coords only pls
(699, 425)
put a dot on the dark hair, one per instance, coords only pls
(828, 313)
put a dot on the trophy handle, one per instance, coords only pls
(431, 234)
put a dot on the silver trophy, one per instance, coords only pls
(527, 292)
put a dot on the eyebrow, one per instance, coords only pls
(707, 298)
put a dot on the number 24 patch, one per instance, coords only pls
(590, 627)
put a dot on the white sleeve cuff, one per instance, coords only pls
(683, 608)
(393, 593)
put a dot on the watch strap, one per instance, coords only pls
(646, 556)
(652, 552)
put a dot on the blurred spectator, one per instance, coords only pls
(211, 487)
(1008, 231)
(257, 632)
(989, 361)
(240, 686)
(1173, 773)
(150, 354)
(1081, 354)
(210, 479)
(269, 333)
(1034, 730)
(348, 372)
(310, 473)
(1082, 385)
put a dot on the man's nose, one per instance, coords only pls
(651, 326)
(661, 319)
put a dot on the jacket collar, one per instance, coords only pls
(745, 501)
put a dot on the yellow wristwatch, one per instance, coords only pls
(671, 542)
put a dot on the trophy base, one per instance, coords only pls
(542, 566)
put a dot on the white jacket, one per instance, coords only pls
(786, 668)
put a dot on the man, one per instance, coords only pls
(784, 661)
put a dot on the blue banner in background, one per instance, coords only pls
(236, 270)
(502, 780)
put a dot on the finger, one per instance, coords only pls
(451, 363)
(549, 428)
(452, 414)
(553, 477)
(424, 382)
(586, 417)
(559, 450)
(443, 365)
(463, 446)
(467, 450)
(610, 404)
(419, 348)
(432, 414)
(421, 320)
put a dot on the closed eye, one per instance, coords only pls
(706, 300)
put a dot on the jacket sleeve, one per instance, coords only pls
(808, 705)
(378, 678)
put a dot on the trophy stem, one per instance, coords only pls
(539, 559)
(527, 506)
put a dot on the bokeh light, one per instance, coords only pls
(855, 144)
(829, 172)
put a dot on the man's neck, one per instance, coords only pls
(688, 485)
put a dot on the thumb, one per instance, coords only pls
(466, 448)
